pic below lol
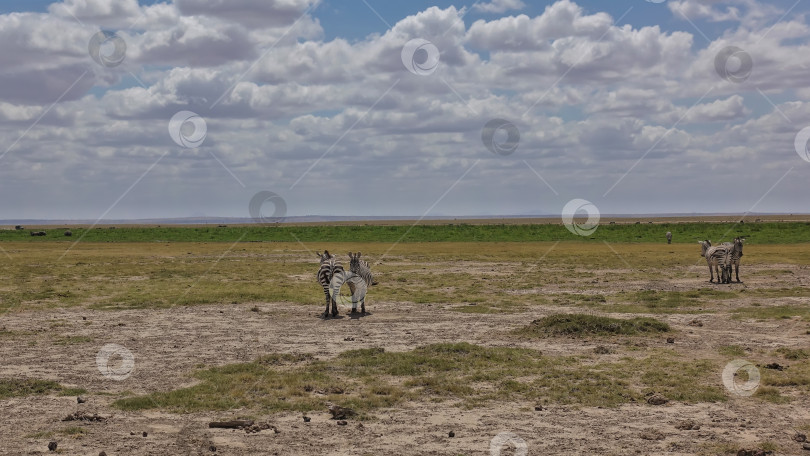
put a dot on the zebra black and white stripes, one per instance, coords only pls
(362, 269)
(330, 266)
(735, 251)
(721, 258)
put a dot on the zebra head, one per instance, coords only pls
(325, 256)
(704, 246)
(738, 244)
(354, 262)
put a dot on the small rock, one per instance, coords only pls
(360, 426)
(806, 446)
(131, 432)
(670, 340)
(538, 408)
(696, 322)
(84, 318)
(349, 339)
(103, 453)
(307, 419)
(775, 366)
(144, 433)
(52, 445)
(213, 449)
(81, 400)
(342, 423)
(657, 399)
(799, 437)
(451, 434)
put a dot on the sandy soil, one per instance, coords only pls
(169, 343)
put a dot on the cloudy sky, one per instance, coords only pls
(373, 107)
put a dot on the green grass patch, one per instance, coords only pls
(585, 325)
(465, 374)
(771, 394)
(767, 232)
(72, 340)
(26, 387)
(793, 353)
(773, 312)
(732, 351)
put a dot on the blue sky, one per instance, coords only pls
(294, 99)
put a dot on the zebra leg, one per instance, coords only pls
(354, 303)
(334, 307)
(737, 270)
(363, 305)
(326, 312)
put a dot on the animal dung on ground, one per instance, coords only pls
(670, 340)
(81, 400)
(52, 445)
(307, 419)
(342, 423)
(451, 434)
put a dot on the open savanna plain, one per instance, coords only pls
(613, 344)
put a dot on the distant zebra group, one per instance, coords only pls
(722, 258)
(332, 269)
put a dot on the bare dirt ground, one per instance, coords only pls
(169, 343)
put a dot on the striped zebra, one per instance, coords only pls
(735, 251)
(669, 237)
(719, 259)
(363, 270)
(330, 266)
(704, 247)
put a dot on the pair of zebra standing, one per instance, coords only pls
(722, 257)
(331, 267)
